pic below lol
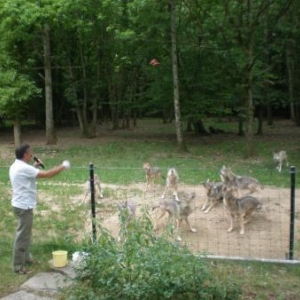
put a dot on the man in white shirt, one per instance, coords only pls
(23, 180)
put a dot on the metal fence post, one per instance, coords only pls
(93, 205)
(292, 213)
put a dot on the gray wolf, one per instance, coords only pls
(127, 210)
(151, 174)
(280, 157)
(214, 193)
(239, 208)
(239, 183)
(178, 211)
(126, 214)
(98, 189)
(172, 183)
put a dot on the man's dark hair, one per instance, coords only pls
(21, 150)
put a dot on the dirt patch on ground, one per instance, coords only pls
(266, 236)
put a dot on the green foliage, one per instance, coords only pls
(142, 266)
(15, 92)
(102, 50)
(17, 88)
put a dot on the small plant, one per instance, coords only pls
(142, 266)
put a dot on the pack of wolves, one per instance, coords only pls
(233, 191)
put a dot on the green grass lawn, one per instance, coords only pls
(118, 157)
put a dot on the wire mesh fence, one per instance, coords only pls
(267, 236)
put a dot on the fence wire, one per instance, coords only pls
(267, 235)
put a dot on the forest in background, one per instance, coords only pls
(81, 63)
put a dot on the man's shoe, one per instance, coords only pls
(23, 271)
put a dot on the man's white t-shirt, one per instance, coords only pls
(23, 180)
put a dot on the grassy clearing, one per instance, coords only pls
(118, 157)
(262, 281)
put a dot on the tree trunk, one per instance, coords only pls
(269, 114)
(50, 131)
(85, 127)
(249, 119)
(167, 115)
(134, 119)
(290, 69)
(180, 141)
(17, 133)
(199, 128)
(93, 124)
(297, 115)
(114, 108)
(189, 125)
(249, 85)
(115, 118)
(260, 120)
(93, 127)
(241, 126)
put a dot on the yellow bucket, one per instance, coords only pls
(60, 258)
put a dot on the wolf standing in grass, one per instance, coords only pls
(23, 177)
(280, 157)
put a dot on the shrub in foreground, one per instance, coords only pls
(142, 266)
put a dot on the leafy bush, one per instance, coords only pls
(142, 266)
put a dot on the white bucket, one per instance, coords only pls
(60, 258)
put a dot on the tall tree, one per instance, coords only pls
(290, 29)
(50, 131)
(180, 140)
(246, 26)
(16, 91)
(28, 21)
